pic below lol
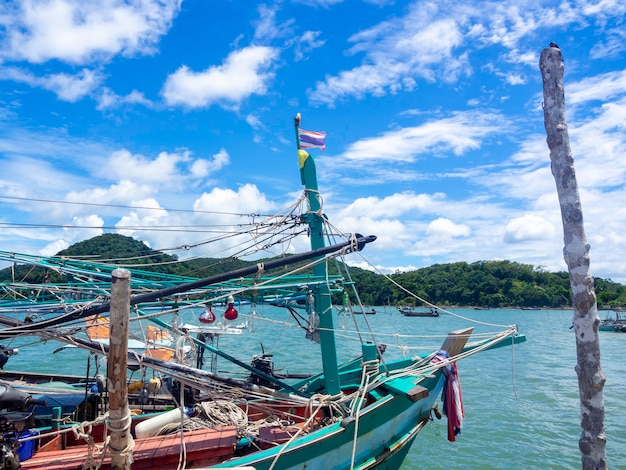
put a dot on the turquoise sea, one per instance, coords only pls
(522, 408)
(521, 403)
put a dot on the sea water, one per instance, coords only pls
(522, 407)
(521, 402)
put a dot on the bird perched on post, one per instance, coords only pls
(555, 45)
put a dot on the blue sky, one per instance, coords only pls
(435, 137)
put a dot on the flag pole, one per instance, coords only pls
(296, 122)
(302, 154)
(321, 309)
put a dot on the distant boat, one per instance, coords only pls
(412, 312)
(616, 323)
(347, 311)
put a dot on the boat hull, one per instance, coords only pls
(409, 312)
(616, 324)
(614, 327)
(384, 433)
(419, 314)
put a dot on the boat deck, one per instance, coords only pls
(203, 447)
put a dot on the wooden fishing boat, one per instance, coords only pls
(615, 322)
(415, 312)
(361, 413)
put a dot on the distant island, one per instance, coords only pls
(484, 284)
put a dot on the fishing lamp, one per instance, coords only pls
(207, 316)
(230, 314)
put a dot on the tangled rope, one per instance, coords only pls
(223, 412)
(83, 431)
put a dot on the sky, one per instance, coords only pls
(156, 118)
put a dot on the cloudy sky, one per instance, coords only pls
(156, 118)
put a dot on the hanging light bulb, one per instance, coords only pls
(312, 330)
(253, 314)
(230, 314)
(207, 316)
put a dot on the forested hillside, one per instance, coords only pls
(124, 251)
(483, 283)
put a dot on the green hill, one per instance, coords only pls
(483, 283)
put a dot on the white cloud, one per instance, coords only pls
(433, 43)
(67, 87)
(51, 146)
(107, 99)
(145, 217)
(247, 198)
(266, 28)
(25, 174)
(445, 228)
(79, 32)
(245, 72)
(515, 79)
(305, 43)
(54, 247)
(528, 227)
(72, 87)
(169, 170)
(602, 87)
(124, 192)
(398, 52)
(254, 121)
(458, 134)
(611, 47)
(124, 165)
(204, 167)
(221, 207)
(390, 206)
(90, 226)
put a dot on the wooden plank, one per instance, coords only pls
(204, 446)
(55, 443)
(455, 342)
(417, 393)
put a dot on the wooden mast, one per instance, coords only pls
(323, 305)
(121, 441)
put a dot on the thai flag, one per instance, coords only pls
(312, 140)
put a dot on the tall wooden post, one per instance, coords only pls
(121, 441)
(591, 379)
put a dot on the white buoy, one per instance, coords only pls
(150, 427)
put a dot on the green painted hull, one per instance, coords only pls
(383, 431)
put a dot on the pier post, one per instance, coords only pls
(121, 441)
(592, 442)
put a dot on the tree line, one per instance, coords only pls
(489, 284)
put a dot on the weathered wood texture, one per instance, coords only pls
(591, 379)
(121, 441)
(204, 447)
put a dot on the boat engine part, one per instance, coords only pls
(5, 353)
(265, 364)
(15, 418)
(15, 400)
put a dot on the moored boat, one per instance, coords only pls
(416, 312)
(361, 413)
(616, 322)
